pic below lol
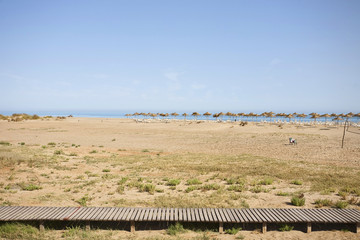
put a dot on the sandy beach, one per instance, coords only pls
(120, 162)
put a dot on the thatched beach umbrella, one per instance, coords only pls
(207, 114)
(337, 119)
(174, 114)
(289, 116)
(216, 115)
(195, 114)
(185, 114)
(325, 116)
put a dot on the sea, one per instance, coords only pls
(122, 114)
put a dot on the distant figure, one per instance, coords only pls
(292, 141)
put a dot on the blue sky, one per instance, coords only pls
(187, 55)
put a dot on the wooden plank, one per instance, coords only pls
(57, 214)
(188, 215)
(140, 215)
(172, 217)
(284, 215)
(218, 216)
(33, 214)
(93, 215)
(80, 213)
(278, 215)
(353, 214)
(311, 216)
(201, 215)
(3, 209)
(154, 214)
(6, 210)
(13, 211)
(184, 215)
(250, 215)
(194, 214)
(269, 215)
(348, 215)
(104, 213)
(66, 213)
(225, 214)
(180, 214)
(236, 215)
(123, 214)
(167, 214)
(242, 216)
(54, 211)
(98, 213)
(129, 216)
(210, 215)
(176, 214)
(27, 215)
(301, 215)
(151, 214)
(230, 214)
(288, 215)
(326, 214)
(205, 213)
(160, 214)
(319, 215)
(262, 215)
(14, 214)
(113, 216)
(214, 215)
(335, 216)
(107, 217)
(146, 215)
(133, 215)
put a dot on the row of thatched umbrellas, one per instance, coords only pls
(334, 116)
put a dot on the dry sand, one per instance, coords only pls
(316, 145)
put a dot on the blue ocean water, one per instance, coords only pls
(121, 114)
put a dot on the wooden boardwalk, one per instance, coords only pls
(215, 215)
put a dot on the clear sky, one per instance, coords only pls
(185, 55)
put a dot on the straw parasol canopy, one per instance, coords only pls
(325, 116)
(185, 115)
(195, 114)
(289, 116)
(207, 114)
(216, 115)
(174, 114)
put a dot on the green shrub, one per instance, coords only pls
(72, 154)
(18, 231)
(286, 228)
(193, 181)
(4, 143)
(150, 188)
(93, 151)
(29, 187)
(122, 180)
(52, 144)
(106, 170)
(266, 181)
(341, 204)
(173, 182)
(297, 182)
(145, 150)
(212, 186)
(298, 201)
(190, 189)
(83, 201)
(236, 188)
(323, 203)
(282, 194)
(175, 229)
(232, 231)
(58, 152)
